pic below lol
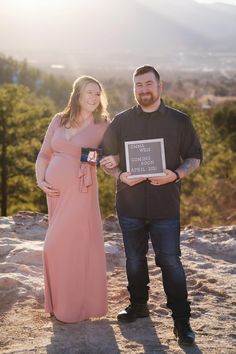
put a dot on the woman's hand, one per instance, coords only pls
(48, 189)
(110, 161)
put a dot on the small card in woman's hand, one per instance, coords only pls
(91, 155)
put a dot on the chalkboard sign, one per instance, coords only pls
(145, 158)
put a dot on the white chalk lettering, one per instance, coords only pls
(151, 168)
(147, 163)
(137, 169)
(145, 149)
(136, 146)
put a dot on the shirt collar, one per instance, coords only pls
(161, 109)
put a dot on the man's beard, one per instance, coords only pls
(147, 101)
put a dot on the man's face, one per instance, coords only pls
(147, 89)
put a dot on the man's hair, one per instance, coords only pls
(146, 69)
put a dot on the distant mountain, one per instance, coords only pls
(197, 26)
(85, 32)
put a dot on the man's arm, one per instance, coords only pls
(122, 176)
(111, 149)
(187, 167)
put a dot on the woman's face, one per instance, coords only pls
(90, 97)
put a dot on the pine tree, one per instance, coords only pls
(24, 118)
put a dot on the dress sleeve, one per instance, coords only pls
(46, 148)
(190, 144)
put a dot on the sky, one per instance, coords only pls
(30, 5)
(232, 2)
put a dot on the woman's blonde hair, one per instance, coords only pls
(70, 112)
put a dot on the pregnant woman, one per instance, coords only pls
(73, 255)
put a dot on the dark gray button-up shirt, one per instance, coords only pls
(180, 141)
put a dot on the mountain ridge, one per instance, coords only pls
(89, 34)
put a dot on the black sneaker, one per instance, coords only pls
(132, 312)
(184, 332)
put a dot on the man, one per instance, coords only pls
(150, 207)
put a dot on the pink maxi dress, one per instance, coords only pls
(73, 255)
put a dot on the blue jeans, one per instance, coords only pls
(165, 238)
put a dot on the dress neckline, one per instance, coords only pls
(78, 131)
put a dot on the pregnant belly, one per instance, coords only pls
(62, 171)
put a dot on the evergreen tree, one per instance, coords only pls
(24, 119)
(224, 119)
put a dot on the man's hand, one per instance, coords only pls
(169, 177)
(110, 161)
(130, 181)
(48, 189)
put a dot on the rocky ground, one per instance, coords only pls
(208, 256)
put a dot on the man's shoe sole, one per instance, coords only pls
(185, 343)
(126, 319)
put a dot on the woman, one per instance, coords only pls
(73, 256)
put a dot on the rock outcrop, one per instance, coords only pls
(209, 259)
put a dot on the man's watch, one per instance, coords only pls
(177, 177)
